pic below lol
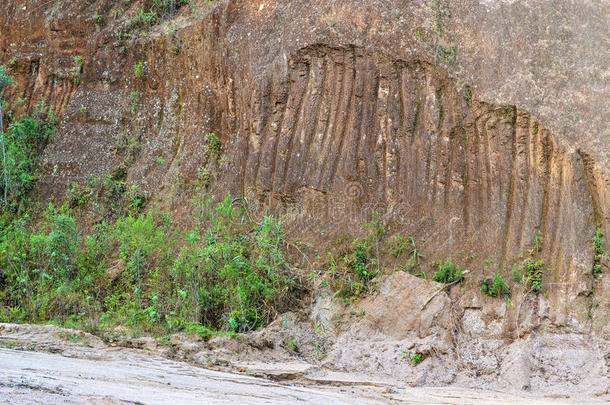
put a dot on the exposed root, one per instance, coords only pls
(439, 290)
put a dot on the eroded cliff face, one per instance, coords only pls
(329, 112)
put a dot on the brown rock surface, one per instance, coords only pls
(471, 125)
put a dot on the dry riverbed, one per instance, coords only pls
(45, 364)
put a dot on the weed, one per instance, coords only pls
(352, 274)
(400, 245)
(598, 248)
(290, 345)
(70, 337)
(319, 354)
(416, 255)
(9, 343)
(416, 358)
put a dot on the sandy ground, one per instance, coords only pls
(41, 364)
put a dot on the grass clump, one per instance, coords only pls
(448, 272)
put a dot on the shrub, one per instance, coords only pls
(360, 261)
(448, 272)
(223, 273)
(494, 286)
(5, 78)
(23, 144)
(532, 270)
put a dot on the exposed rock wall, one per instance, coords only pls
(327, 113)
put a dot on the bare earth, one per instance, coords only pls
(39, 365)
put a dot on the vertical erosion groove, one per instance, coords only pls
(410, 141)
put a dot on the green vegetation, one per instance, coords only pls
(133, 98)
(146, 17)
(5, 80)
(138, 69)
(494, 286)
(213, 146)
(414, 358)
(598, 248)
(532, 273)
(78, 195)
(77, 70)
(22, 146)
(529, 273)
(517, 276)
(223, 272)
(131, 268)
(468, 95)
(537, 243)
(448, 272)
(351, 274)
(400, 245)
